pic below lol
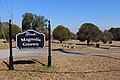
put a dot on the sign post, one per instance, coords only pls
(49, 49)
(10, 44)
(31, 39)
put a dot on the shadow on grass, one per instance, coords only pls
(33, 61)
(20, 62)
(39, 62)
(85, 54)
(86, 44)
(103, 48)
(67, 52)
(24, 62)
(6, 64)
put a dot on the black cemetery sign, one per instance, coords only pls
(30, 39)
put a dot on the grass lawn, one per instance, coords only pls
(103, 67)
(74, 67)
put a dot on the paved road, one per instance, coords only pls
(4, 54)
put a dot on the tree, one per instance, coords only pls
(46, 34)
(116, 33)
(4, 26)
(3, 30)
(32, 21)
(27, 20)
(61, 33)
(15, 30)
(108, 34)
(89, 32)
(0, 30)
(0, 25)
(105, 36)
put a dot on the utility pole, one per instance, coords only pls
(10, 42)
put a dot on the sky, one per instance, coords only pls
(69, 13)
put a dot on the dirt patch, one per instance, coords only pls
(102, 67)
(6, 45)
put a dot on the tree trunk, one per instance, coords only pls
(60, 41)
(88, 41)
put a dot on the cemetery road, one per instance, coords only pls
(4, 54)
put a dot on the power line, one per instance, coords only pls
(2, 15)
(6, 9)
(3, 8)
(7, 6)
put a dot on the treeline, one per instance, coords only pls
(87, 31)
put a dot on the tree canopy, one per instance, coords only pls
(33, 21)
(4, 32)
(45, 32)
(89, 32)
(61, 33)
(15, 30)
(116, 33)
